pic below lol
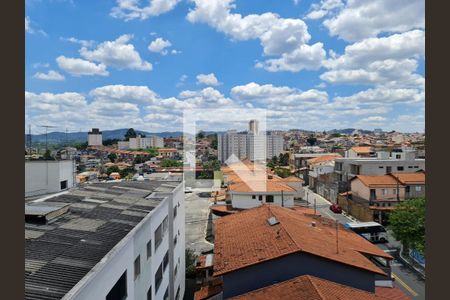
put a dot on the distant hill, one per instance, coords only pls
(60, 137)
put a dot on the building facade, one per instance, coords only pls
(129, 243)
(49, 176)
(95, 137)
(146, 142)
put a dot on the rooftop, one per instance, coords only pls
(246, 238)
(377, 181)
(362, 150)
(61, 250)
(410, 178)
(309, 287)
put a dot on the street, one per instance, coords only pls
(406, 279)
(197, 210)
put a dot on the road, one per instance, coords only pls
(407, 280)
(197, 210)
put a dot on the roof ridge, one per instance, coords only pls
(316, 288)
(287, 232)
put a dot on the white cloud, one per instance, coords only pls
(50, 75)
(81, 67)
(27, 24)
(207, 79)
(31, 30)
(390, 61)
(118, 54)
(84, 43)
(182, 80)
(40, 65)
(278, 36)
(361, 19)
(126, 93)
(159, 45)
(319, 10)
(384, 96)
(131, 9)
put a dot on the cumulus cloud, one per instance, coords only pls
(31, 29)
(81, 67)
(127, 93)
(84, 43)
(132, 9)
(159, 45)
(119, 54)
(207, 79)
(285, 37)
(360, 19)
(390, 61)
(50, 75)
(320, 10)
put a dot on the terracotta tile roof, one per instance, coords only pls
(308, 287)
(324, 158)
(362, 150)
(293, 178)
(391, 293)
(377, 181)
(410, 178)
(207, 291)
(269, 186)
(246, 238)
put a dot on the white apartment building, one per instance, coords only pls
(231, 143)
(48, 176)
(146, 142)
(95, 137)
(274, 145)
(123, 145)
(120, 240)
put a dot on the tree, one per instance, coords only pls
(109, 142)
(284, 159)
(311, 140)
(112, 169)
(112, 157)
(407, 223)
(139, 159)
(282, 172)
(191, 259)
(200, 135)
(168, 162)
(81, 146)
(126, 172)
(130, 134)
(275, 160)
(47, 155)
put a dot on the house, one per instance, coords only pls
(371, 198)
(107, 241)
(321, 176)
(167, 152)
(257, 247)
(309, 287)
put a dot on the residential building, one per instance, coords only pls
(107, 241)
(95, 137)
(321, 176)
(258, 247)
(167, 152)
(372, 198)
(231, 143)
(123, 145)
(253, 126)
(49, 176)
(360, 152)
(146, 142)
(274, 145)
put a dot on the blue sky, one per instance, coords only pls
(312, 64)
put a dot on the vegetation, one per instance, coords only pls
(336, 135)
(130, 134)
(47, 155)
(112, 169)
(311, 140)
(407, 222)
(200, 135)
(168, 162)
(213, 139)
(139, 159)
(81, 146)
(282, 172)
(281, 160)
(112, 157)
(110, 142)
(126, 173)
(191, 259)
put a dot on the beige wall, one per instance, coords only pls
(361, 190)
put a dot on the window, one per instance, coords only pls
(381, 167)
(166, 260)
(149, 293)
(165, 224)
(418, 188)
(158, 277)
(149, 249)
(137, 267)
(400, 168)
(175, 211)
(269, 198)
(416, 167)
(394, 191)
(384, 191)
(119, 290)
(158, 236)
(166, 294)
(388, 169)
(407, 189)
(260, 197)
(398, 156)
(175, 240)
(253, 196)
(63, 184)
(389, 204)
(175, 271)
(410, 167)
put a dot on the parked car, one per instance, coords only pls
(335, 208)
(188, 189)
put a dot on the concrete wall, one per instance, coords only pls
(293, 265)
(43, 177)
(244, 201)
(361, 190)
(98, 283)
(95, 140)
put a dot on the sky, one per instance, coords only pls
(315, 65)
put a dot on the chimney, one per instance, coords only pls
(313, 224)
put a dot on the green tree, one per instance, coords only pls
(311, 140)
(130, 134)
(139, 159)
(127, 172)
(112, 157)
(407, 223)
(81, 146)
(152, 151)
(284, 159)
(282, 172)
(275, 160)
(191, 259)
(112, 169)
(110, 142)
(47, 155)
(168, 162)
(201, 135)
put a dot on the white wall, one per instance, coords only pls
(44, 177)
(245, 200)
(95, 140)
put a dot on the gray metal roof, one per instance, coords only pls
(61, 252)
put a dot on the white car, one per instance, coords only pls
(188, 189)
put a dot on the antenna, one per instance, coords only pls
(46, 134)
